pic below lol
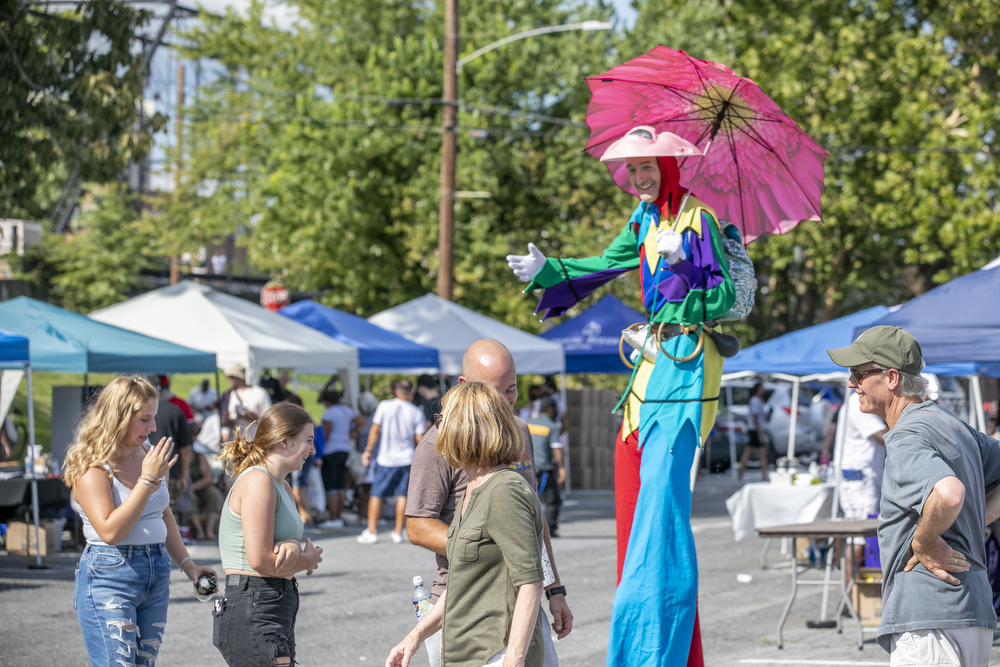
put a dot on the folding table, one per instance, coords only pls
(822, 530)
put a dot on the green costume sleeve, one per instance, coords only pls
(622, 255)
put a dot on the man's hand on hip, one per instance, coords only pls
(562, 617)
(939, 558)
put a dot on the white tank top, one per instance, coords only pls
(150, 529)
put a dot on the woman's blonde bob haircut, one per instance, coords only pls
(478, 427)
(102, 429)
(280, 422)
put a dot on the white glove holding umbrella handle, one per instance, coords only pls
(527, 266)
(670, 244)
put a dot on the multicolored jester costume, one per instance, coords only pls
(669, 408)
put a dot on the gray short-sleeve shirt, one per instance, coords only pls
(928, 444)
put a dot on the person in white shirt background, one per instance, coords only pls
(340, 426)
(758, 433)
(245, 404)
(396, 428)
(202, 400)
(861, 464)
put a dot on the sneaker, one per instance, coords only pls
(367, 537)
(333, 523)
(397, 538)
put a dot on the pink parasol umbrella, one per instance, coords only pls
(764, 174)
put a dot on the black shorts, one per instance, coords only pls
(255, 622)
(756, 441)
(334, 471)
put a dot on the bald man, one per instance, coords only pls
(435, 487)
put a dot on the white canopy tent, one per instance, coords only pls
(451, 329)
(235, 329)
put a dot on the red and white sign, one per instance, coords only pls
(275, 296)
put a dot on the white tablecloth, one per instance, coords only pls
(762, 505)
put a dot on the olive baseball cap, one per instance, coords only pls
(892, 347)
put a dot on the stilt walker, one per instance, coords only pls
(671, 401)
(666, 123)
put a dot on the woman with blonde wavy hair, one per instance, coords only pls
(489, 611)
(122, 582)
(260, 538)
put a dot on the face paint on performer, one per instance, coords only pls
(657, 180)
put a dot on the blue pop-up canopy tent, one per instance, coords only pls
(15, 354)
(591, 338)
(67, 342)
(803, 352)
(955, 322)
(379, 351)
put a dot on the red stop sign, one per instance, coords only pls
(275, 296)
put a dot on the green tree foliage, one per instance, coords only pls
(101, 262)
(325, 144)
(70, 85)
(916, 77)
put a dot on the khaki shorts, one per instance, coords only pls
(959, 647)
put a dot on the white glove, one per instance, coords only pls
(670, 244)
(527, 266)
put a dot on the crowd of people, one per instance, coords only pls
(432, 453)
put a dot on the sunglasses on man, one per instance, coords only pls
(857, 376)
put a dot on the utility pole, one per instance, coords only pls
(446, 211)
(179, 121)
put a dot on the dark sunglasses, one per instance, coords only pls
(858, 376)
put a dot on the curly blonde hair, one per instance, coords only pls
(102, 429)
(479, 427)
(279, 422)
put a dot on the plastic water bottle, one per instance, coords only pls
(421, 597)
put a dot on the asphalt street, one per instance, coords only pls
(357, 605)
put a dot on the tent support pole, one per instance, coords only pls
(976, 395)
(793, 415)
(31, 463)
(218, 401)
(562, 397)
(732, 436)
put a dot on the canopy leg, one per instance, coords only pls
(31, 465)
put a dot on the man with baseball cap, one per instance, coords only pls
(939, 492)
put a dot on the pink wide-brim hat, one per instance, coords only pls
(644, 141)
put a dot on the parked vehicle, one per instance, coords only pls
(809, 426)
(717, 453)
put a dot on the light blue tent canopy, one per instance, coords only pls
(379, 351)
(65, 342)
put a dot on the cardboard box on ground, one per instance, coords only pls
(866, 596)
(21, 537)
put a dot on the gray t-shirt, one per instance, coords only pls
(928, 444)
(435, 488)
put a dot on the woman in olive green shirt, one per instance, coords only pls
(489, 610)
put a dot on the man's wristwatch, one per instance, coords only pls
(555, 590)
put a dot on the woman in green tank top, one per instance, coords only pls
(260, 534)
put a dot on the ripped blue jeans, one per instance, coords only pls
(121, 600)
